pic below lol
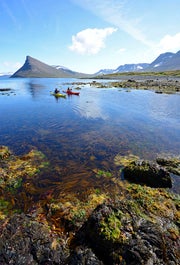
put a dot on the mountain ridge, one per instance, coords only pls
(164, 62)
(34, 68)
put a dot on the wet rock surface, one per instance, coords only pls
(25, 241)
(145, 172)
(115, 233)
(120, 236)
(172, 164)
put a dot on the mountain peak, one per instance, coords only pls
(35, 68)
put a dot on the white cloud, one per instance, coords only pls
(118, 14)
(170, 43)
(90, 41)
(121, 50)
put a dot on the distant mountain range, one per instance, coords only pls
(34, 68)
(164, 62)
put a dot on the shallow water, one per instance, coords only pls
(81, 134)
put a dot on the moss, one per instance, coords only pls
(78, 216)
(111, 227)
(154, 202)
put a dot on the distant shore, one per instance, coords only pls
(158, 83)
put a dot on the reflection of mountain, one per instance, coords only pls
(34, 89)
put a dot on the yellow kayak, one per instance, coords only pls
(58, 95)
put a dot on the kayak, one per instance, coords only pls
(58, 95)
(69, 92)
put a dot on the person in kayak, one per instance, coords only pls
(56, 91)
(69, 89)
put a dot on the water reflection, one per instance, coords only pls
(34, 89)
(83, 133)
(90, 107)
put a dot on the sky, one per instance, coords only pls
(87, 35)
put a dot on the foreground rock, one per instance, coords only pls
(120, 235)
(131, 231)
(25, 241)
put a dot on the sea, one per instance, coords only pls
(82, 134)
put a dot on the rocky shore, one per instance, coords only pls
(159, 84)
(137, 223)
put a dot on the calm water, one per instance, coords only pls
(83, 133)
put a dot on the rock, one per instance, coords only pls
(151, 174)
(172, 164)
(25, 241)
(120, 236)
(82, 256)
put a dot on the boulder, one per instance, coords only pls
(148, 173)
(121, 236)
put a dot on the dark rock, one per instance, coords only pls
(151, 174)
(139, 241)
(5, 89)
(83, 256)
(26, 241)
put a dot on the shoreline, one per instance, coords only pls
(159, 84)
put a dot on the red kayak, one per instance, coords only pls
(69, 92)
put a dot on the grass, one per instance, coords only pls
(175, 73)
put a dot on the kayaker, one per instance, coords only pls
(56, 91)
(69, 89)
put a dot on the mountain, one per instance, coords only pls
(164, 62)
(105, 72)
(124, 69)
(5, 75)
(131, 67)
(35, 68)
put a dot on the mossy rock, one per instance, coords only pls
(145, 172)
(120, 235)
(171, 164)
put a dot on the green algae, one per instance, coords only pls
(104, 173)
(15, 169)
(110, 227)
(120, 160)
(15, 173)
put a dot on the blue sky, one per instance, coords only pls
(87, 35)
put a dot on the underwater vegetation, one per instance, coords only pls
(15, 174)
(126, 223)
